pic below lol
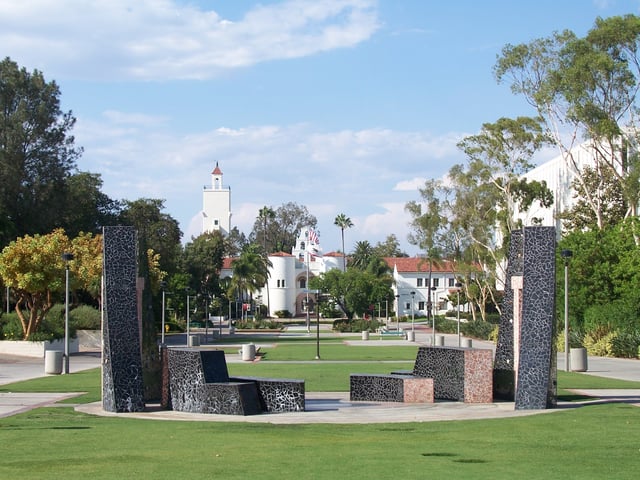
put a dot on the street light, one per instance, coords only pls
(458, 286)
(67, 257)
(187, 290)
(413, 295)
(398, 310)
(433, 317)
(163, 285)
(566, 255)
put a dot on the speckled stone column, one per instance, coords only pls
(536, 379)
(122, 386)
(503, 374)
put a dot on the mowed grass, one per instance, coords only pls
(595, 441)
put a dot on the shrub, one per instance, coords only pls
(85, 317)
(11, 328)
(355, 325)
(478, 329)
(626, 344)
(283, 314)
(600, 345)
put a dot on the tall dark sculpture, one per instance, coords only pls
(525, 364)
(122, 385)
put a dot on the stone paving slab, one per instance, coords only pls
(335, 407)
(15, 403)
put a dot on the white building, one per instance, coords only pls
(559, 174)
(290, 272)
(216, 205)
(411, 277)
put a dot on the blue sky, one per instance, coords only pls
(344, 106)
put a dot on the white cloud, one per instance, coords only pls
(410, 185)
(362, 173)
(166, 39)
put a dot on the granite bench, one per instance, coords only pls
(460, 374)
(390, 388)
(199, 382)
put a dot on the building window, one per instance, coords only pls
(452, 282)
(420, 305)
(418, 282)
(278, 283)
(407, 306)
(216, 222)
(436, 282)
(302, 245)
(303, 283)
(283, 283)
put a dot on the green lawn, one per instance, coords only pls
(589, 442)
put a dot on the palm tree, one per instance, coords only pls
(342, 222)
(250, 271)
(265, 214)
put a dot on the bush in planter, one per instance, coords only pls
(51, 327)
(283, 314)
(355, 325)
(85, 317)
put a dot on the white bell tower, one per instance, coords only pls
(216, 205)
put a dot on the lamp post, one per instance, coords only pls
(398, 310)
(317, 324)
(566, 255)
(67, 257)
(163, 286)
(188, 315)
(458, 287)
(430, 312)
(413, 295)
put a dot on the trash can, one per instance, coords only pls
(53, 362)
(411, 335)
(439, 340)
(365, 334)
(194, 340)
(248, 352)
(578, 359)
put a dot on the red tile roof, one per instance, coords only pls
(418, 264)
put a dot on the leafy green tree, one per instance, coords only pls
(87, 208)
(37, 153)
(343, 222)
(156, 230)
(203, 258)
(236, 241)
(266, 214)
(281, 230)
(354, 291)
(389, 248)
(584, 88)
(32, 266)
(581, 217)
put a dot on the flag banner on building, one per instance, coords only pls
(313, 237)
(313, 245)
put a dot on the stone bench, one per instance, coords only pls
(198, 382)
(460, 374)
(390, 388)
(278, 395)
